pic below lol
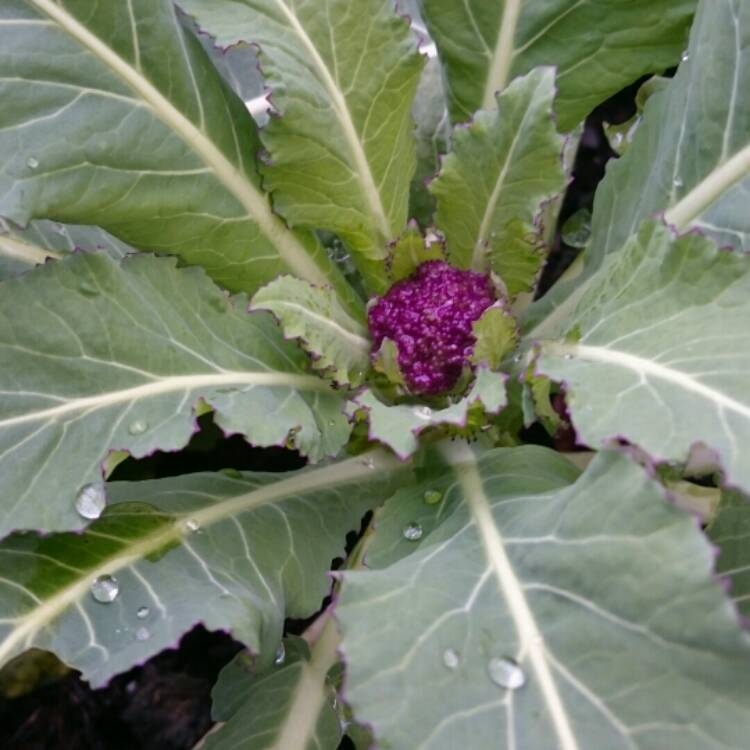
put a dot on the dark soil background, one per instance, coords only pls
(165, 704)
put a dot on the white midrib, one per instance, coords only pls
(502, 59)
(464, 463)
(706, 192)
(350, 470)
(364, 174)
(252, 200)
(172, 384)
(484, 228)
(26, 253)
(646, 368)
(309, 695)
(359, 342)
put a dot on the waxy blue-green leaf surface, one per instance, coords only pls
(339, 345)
(22, 249)
(689, 160)
(658, 351)
(286, 706)
(730, 531)
(113, 115)
(231, 552)
(343, 76)
(538, 614)
(110, 356)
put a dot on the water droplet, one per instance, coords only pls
(138, 427)
(368, 463)
(432, 497)
(677, 182)
(32, 162)
(280, 656)
(413, 531)
(685, 56)
(105, 589)
(616, 140)
(87, 289)
(142, 634)
(506, 673)
(568, 356)
(91, 501)
(450, 659)
(423, 412)
(517, 358)
(142, 613)
(192, 525)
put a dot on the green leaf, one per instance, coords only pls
(526, 568)
(658, 351)
(385, 361)
(343, 77)
(496, 336)
(287, 706)
(22, 249)
(490, 191)
(110, 356)
(621, 135)
(597, 48)
(432, 134)
(399, 426)
(315, 316)
(538, 387)
(412, 249)
(239, 67)
(230, 552)
(125, 123)
(730, 531)
(690, 157)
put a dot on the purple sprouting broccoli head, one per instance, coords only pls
(429, 316)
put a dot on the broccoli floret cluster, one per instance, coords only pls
(429, 316)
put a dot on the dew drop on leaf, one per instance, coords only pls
(192, 525)
(142, 613)
(368, 463)
(685, 56)
(432, 497)
(568, 356)
(91, 501)
(412, 532)
(506, 673)
(450, 659)
(423, 412)
(87, 289)
(32, 162)
(280, 656)
(142, 634)
(138, 427)
(105, 589)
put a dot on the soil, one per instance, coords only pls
(165, 704)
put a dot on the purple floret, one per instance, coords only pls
(429, 316)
